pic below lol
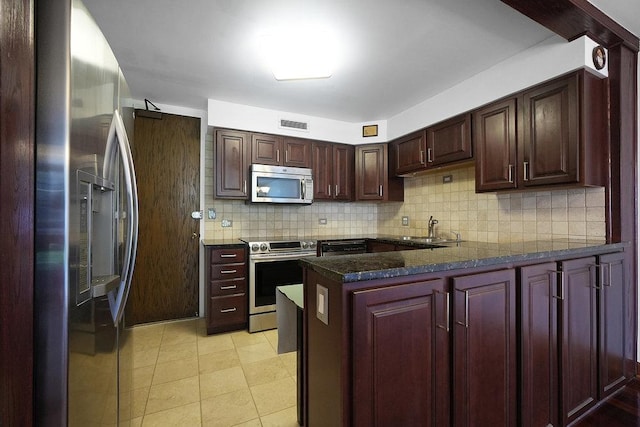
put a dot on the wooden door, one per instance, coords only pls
(343, 175)
(322, 169)
(449, 141)
(484, 349)
(616, 296)
(410, 153)
(539, 351)
(579, 361)
(401, 355)
(266, 149)
(232, 164)
(297, 153)
(166, 155)
(550, 132)
(371, 164)
(494, 132)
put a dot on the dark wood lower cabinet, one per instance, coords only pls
(401, 336)
(485, 349)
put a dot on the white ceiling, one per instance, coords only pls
(394, 54)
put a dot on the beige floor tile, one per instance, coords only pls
(136, 378)
(187, 415)
(173, 394)
(178, 337)
(179, 326)
(285, 418)
(146, 341)
(214, 343)
(218, 361)
(265, 371)
(252, 423)
(256, 352)
(147, 330)
(175, 370)
(274, 396)
(176, 352)
(244, 338)
(272, 337)
(290, 361)
(136, 422)
(221, 382)
(228, 409)
(147, 357)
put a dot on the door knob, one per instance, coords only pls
(194, 235)
(197, 215)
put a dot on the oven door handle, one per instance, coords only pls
(278, 257)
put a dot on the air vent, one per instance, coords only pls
(291, 124)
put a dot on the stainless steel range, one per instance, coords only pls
(271, 264)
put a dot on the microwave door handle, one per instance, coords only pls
(302, 189)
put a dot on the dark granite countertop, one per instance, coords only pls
(453, 256)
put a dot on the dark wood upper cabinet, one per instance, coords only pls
(372, 175)
(401, 336)
(579, 338)
(444, 143)
(494, 130)
(232, 149)
(449, 141)
(558, 131)
(280, 151)
(333, 171)
(485, 349)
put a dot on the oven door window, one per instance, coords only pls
(269, 275)
(278, 188)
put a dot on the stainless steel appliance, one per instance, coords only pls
(343, 247)
(86, 222)
(281, 184)
(272, 264)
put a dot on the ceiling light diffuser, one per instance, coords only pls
(299, 53)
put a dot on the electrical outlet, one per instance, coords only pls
(447, 179)
(227, 223)
(405, 220)
(322, 300)
(211, 213)
(322, 221)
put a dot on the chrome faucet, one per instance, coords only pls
(432, 226)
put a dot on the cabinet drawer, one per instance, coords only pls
(223, 256)
(228, 310)
(227, 271)
(227, 287)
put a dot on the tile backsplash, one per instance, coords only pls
(491, 217)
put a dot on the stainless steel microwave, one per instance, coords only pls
(281, 184)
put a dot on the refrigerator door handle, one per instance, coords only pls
(118, 139)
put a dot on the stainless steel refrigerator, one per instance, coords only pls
(86, 222)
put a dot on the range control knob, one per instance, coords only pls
(312, 245)
(305, 245)
(255, 247)
(263, 247)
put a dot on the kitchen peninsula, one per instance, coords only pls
(494, 333)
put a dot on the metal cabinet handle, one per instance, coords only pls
(561, 273)
(429, 158)
(225, 288)
(525, 169)
(609, 280)
(228, 271)
(466, 310)
(228, 255)
(597, 285)
(380, 190)
(278, 156)
(422, 157)
(446, 326)
(337, 190)
(511, 174)
(329, 189)
(244, 186)
(286, 156)
(228, 310)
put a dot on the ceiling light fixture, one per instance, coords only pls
(299, 53)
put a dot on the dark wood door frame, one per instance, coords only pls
(17, 192)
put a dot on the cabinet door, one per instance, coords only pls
(297, 153)
(232, 164)
(494, 133)
(484, 349)
(266, 149)
(322, 169)
(550, 132)
(539, 360)
(371, 166)
(343, 164)
(616, 323)
(579, 353)
(400, 355)
(410, 153)
(449, 141)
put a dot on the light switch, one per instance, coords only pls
(322, 298)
